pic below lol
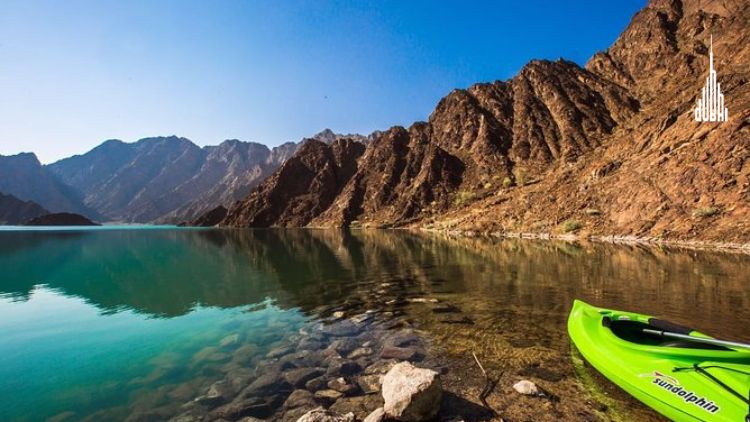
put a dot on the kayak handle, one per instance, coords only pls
(711, 341)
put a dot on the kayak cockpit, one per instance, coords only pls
(633, 332)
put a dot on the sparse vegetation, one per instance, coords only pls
(520, 177)
(463, 197)
(539, 225)
(507, 182)
(569, 226)
(488, 185)
(705, 212)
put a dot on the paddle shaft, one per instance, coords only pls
(712, 341)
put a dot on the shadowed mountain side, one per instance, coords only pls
(24, 177)
(16, 211)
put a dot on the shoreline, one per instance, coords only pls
(699, 245)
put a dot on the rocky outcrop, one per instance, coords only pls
(16, 211)
(209, 219)
(302, 188)
(60, 219)
(411, 393)
(322, 415)
(609, 149)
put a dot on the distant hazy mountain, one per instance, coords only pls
(16, 211)
(170, 179)
(24, 177)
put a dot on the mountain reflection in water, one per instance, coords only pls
(162, 297)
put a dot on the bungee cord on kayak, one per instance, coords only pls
(665, 365)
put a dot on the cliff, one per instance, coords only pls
(609, 148)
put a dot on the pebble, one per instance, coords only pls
(526, 387)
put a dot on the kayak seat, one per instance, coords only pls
(664, 325)
(632, 331)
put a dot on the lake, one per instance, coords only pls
(140, 323)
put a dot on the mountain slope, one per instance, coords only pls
(24, 177)
(16, 211)
(170, 179)
(611, 148)
(304, 186)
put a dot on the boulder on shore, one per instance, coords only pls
(411, 394)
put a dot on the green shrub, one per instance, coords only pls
(705, 212)
(463, 197)
(520, 177)
(571, 226)
(507, 182)
(487, 185)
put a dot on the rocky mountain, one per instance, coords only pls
(302, 188)
(170, 179)
(611, 148)
(15, 211)
(24, 177)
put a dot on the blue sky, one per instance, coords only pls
(75, 73)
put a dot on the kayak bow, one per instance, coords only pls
(681, 376)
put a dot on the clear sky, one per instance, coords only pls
(75, 73)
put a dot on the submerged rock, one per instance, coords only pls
(322, 415)
(327, 396)
(360, 406)
(342, 386)
(401, 353)
(411, 393)
(369, 383)
(229, 340)
(298, 377)
(300, 398)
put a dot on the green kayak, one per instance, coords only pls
(683, 379)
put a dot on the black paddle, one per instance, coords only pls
(711, 341)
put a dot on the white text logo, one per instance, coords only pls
(710, 107)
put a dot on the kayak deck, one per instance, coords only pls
(683, 380)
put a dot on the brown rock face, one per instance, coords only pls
(302, 188)
(611, 148)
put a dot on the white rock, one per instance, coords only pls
(377, 415)
(229, 340)
(322, 415)
(526, 387)
(410, 393)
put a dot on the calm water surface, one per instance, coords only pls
(106, 323)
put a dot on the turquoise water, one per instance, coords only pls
(103, 323)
